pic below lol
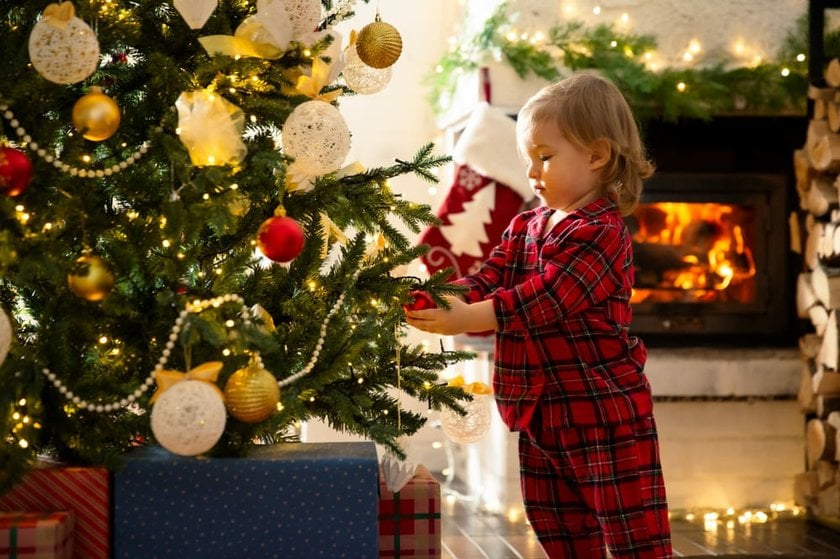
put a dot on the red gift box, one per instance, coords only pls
(36, 535)
(409, 520)
(85, 491)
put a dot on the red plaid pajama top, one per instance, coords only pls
(562, 302)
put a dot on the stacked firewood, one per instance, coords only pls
(817, 169)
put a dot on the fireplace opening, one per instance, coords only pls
(694, 252)
(712, 255)
(710, 259)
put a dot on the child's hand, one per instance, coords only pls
(459, 318)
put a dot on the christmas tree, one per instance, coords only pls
(177, 212)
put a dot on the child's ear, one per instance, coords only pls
(599, 154)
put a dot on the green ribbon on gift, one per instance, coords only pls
(414, 515)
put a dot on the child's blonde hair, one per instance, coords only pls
(587, 108)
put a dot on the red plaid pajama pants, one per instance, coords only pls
(587, 487)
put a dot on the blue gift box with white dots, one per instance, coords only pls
(296, 500)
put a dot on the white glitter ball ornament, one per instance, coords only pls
(470, 428)
(63, 48)
(317, 136)
(189, 418)
(305, 15)
(362, 78)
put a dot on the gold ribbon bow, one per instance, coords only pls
(330, 232)
(474, 388)
(59, 15)
(311, 86)
(206, 372)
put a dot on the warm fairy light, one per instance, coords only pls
(596, 10)
(86, 158)
(103, 340)
(694, 46)
(360, 381)
(785, 72)
(226, 352)
(22, 402)
(312, 398)
(687, 56)
(511, 36)
(800, 57)
(23, 443)
(230, 323)
(16, 416)
(307, 52)
(613, 43)
(312, 285)
(624, 19)
(205, 196)
(681, 87)
(514, 514)
(166, 243)
(234, 186)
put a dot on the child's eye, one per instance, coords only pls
(544, 158)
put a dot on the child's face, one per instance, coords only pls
(561, 174)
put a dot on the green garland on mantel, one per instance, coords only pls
(776, 87)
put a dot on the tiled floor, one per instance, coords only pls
(472, 534)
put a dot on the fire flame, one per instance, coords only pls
(696, 249)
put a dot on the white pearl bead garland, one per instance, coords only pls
(66, 168)
(196, 307)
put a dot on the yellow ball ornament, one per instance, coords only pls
(379, 44)
(90, 278)
(96, 116)
(252, 394)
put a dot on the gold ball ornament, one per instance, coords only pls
(252, 394)
(90, 278)
(96, 116)
(379, 44)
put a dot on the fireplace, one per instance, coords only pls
(711, 251)
(710, 261)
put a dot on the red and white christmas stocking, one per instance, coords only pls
(490, 187)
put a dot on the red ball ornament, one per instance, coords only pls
(15, 171)
(422, 300)
(280, 239)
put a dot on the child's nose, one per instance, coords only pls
(533, 170)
